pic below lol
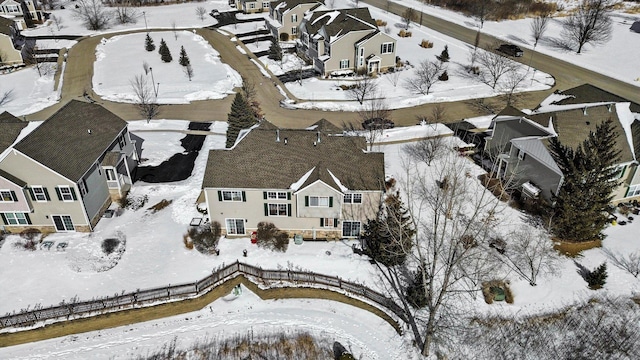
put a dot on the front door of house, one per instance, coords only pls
(373, 67)
(63, 222)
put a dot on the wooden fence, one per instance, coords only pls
(77, 309)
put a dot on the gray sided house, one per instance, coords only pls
(522, 142)
(64, 174)
(346, 41)
(313, 182)
(285, 16)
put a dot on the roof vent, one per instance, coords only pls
(285, 141)
(318, 137)
(89, 131)
(584, 111)
(314, 143)
(609, 107)
(277, 135)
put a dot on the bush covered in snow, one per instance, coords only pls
(270, 237)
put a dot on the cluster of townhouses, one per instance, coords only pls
(14, 17)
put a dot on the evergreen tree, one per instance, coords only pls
(389, 236)
(598, 277)
(579, 210)
(416, 294)
(240, 117)
(275, 51)
(444, 55)
(148, 43)
(184, 58)
(165, 54)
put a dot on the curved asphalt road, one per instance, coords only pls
(80, 59)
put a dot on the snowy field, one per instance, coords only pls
(211, 79)
(34, 93)
(155, 256)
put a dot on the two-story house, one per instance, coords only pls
(285, 17)
(11, 42)
(346, 40)
(520, 144)
(314, 182)
(26, 12)
(252, 6)
(63, 175)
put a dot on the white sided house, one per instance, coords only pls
(64, 174)
(312, 182)
(345, 41)
(285, 17)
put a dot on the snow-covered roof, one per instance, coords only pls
(337, 181)
(626, 118)
(332, 15)
(298, 184)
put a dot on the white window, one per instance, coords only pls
(252, 6)
(7, 196)
(63, 222)
(294, 30)
(386, 48)
(111, 174)
(232, 195)
(353, 198)
(235, 226)
(65, 193)
(40, 193)
(265, 5)
(521, 154)
(634, 190)
(361, 56)
(344, 64)
(277, 195)
(620, 171)
(82, 185)
(350, 228)
(278, 210)
(294, 18)
(328, 222)
(16, 219)
(122, 141)
(319, 201)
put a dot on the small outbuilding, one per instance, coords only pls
(635, 26)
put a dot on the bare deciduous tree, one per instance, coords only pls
(529, 252)
(146, 67)
(362, 89)
(92, 14)
(6, 97)
(539, 25)
(589, 24)
(511, 84)
(174, 29)
(629, 262)
(408, 16)
(376, 109)
(493, 66)
(57, 21)
(146, 100)
(426, 75)
(125, 14)
(188, 70)
(393, 78)
(201, 13)
(426, 150)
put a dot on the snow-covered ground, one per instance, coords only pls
(34, 93)
(155, 256)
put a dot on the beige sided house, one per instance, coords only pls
(314, 182)
(285, 16)
(346, 41)
(25, 12)
(251, 7)
(62, 176)
(10, 42)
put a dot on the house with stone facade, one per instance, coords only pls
(345, 41)
(63, 175)
(314, 182)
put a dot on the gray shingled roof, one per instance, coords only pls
(346, 21)
(290, 4)
(10, 127)
(64, 143)
(573, 126)
(587, 93)
(259, 162)
(325, 126)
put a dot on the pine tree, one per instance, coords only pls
(165, 54)
(579, 210)
(444, 55)
(598, 277)
(240, 117)
(389, 236)
(275, 51)
(184, 58)
(416, 294)
(148, 43)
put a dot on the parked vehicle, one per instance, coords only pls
(214, 13)
(511, 49)
(377, 124)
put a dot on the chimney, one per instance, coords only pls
(584, 111)
(318, 137)
(89, 131)
(609, 107)
(314, 144)
(285, 141)
(277, 135)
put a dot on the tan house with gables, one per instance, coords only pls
(346, 41)
(285, 17)
(10, 42)
(63, 175)
(314, 182)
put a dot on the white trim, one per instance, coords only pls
(63, 223)
(60, 187)
(231, 191)
(286, 209)
(227, 227)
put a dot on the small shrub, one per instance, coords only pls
(270, 237)
(108, 245)
(426, 44)
(475, 70)
(205, 238)
(404, 33)
(161, 205)
(133, 202)
(381, 22)
(31, 234)
(348, 87)
(361, 71)
(284, 37)
(444, 76)
(187, 242)
(597, 278)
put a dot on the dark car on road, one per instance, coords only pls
(377, 124)
(510, 49)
